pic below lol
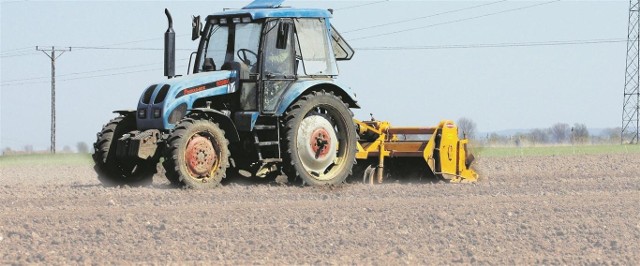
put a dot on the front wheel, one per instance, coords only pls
(320, 140)
(114, 171)
(198, 154)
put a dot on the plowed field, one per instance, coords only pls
(574, 209)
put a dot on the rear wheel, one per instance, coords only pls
(113, 171)
(320, 140)
(198, 154)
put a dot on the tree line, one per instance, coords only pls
(557, 134)
(81, 147)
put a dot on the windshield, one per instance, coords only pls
(246, 40)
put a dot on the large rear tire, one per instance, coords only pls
(197, 155)
(113, 171)
(320, 140)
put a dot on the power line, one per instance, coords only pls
(37, 80)
(124, 48)
(455, 21)
(75, 73)
(114, 74)
(127, 42)
(424, 17)
(361, 5)
(16, 50)
(26, 81)
(493, 45)
(88, 77)
(20, 54)
(444, 46)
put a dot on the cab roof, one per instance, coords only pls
(260, 9)
(276, 13)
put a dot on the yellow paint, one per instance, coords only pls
(444, 152)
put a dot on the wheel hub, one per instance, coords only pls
(317, 144)
(320, 142)
(200, 156)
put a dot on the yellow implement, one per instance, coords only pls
(445, 154)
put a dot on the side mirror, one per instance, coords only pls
(196, 30)
(283, 35)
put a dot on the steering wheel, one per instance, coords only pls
(242, 55)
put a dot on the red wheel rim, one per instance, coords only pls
(320, 142)
(200, 156)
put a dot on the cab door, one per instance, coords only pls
(278, 57)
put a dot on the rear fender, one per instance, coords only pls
(301, 88)
(225, 123)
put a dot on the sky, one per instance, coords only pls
(503, 64)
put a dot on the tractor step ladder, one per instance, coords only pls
(269, 128)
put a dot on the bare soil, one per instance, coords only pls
(580, 209)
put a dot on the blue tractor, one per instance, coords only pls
(261, 99)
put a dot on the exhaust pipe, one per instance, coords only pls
(169, 48)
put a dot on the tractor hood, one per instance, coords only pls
(162, 105)
(197, 85)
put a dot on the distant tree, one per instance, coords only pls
(466, 128)
(82, 147)
(7, 151)
(612, 135)
(579, 134)
(560, 132)
(497, 139)
(520, 139)
(628, 136)
(539, 136)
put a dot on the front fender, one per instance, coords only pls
(303, 87)
(225, 123)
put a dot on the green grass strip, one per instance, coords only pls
(556, 150)
(45, 159)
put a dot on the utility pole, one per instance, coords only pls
(53, 58)
(631, 104)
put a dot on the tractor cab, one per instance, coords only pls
(270, 48)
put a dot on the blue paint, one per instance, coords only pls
(264, 4)
(245, 121)
(302, 86)
(256, 14)
(171, 102)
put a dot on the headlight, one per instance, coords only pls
(156, 113)
(142, 113)
(177, 114)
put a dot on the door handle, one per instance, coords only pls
(270, 75)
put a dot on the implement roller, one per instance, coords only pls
(440, 148)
